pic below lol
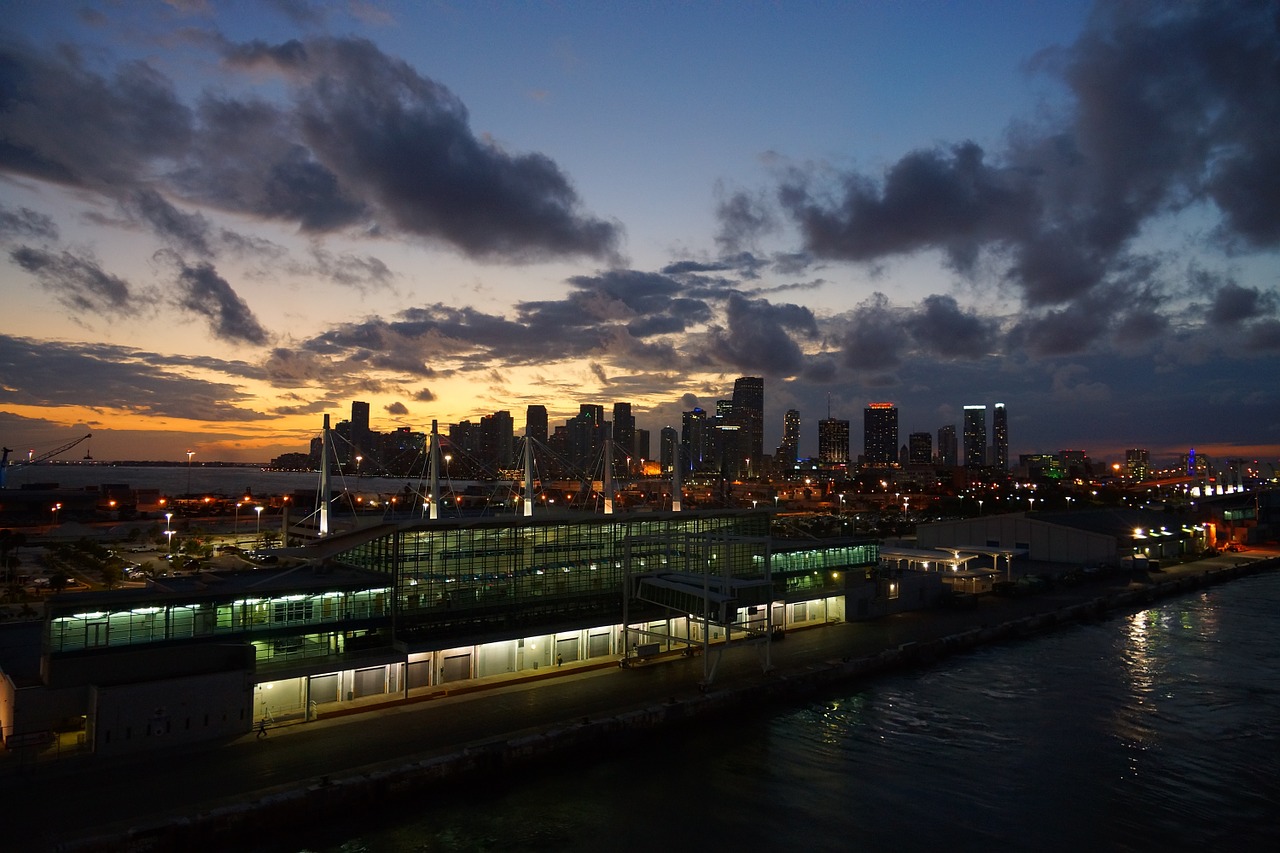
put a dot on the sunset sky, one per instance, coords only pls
(221, 220)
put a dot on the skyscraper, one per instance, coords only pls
(748, 410)
(624, 437)
(693, 439)
(361, 440)
(1000, 433)
(789, 450)
(535, 419)
(833, 441)
(947, 447)
(975, 436)
(880, 434)
(920, 448)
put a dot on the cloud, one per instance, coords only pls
(26, 223)
(424, 395)
(53, 374)
(401, 143)
(1233, 304)
(79, 283)
(202, 291)
(1172, 105)
(758, 336)
(397, 408)
(362, 141)
(940, 327)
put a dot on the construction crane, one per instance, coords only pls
(5, 451)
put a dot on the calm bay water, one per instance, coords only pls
(1154, 731)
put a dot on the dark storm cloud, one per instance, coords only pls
(403, 143)
(744, 218)
(873, 338)
(62, 122)
(1233, 304)
(1059, 331)
(100, 376)
(940, 327)
(758, 336)
(1174, 104)
(184, 231)
(364, 141)
(202, 291)
(77, 282)
(25, 223)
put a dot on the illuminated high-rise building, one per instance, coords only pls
(975, 436)
(880, 434)
(833, 441)
(920, 448)
(1000, 436)
(947, 447)
(789, 450)
(1136, 464)
(748, 411)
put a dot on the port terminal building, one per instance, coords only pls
(402, 609)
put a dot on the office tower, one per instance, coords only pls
(535, 423)
(833, 441)
(975, 436)
(789, 451)
(497, 441)
(1074, 463)
(880, 434)
(920, 448)
(693, 439)
(1136, 464)
(948, 453)
(586, 438)
(361, 440)
(643, 448)
(667, 439)
(748, 409)
(624, 438)
(1000, 433)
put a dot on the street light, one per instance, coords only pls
(168, 529)
(190, 453)
(237, 528)
(258, 510)
(55, 509)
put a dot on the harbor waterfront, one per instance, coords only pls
(261, 793)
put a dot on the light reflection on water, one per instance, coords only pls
(1155, 730)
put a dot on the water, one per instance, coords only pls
(173, 480)
(1154, 731)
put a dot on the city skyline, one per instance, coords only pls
(220, 222)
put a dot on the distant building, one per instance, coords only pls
(920, 448)
(947, 446)
(789, 451)
(535, 423)
(1000, 434)
(880, 434)
(1137, 463)
(975, 436)
(748, 411)
(833, 441)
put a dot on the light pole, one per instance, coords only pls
(237, 527)
(55, 509)
(168, 530)
(258, 536)
(190, 453)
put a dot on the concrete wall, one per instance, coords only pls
(164, 714)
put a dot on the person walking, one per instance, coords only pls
(262, 728)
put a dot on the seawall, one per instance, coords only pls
(247, 823)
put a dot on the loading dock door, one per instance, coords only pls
(567, 650)
(456, 668)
